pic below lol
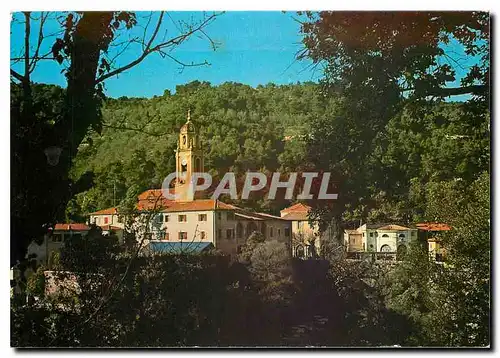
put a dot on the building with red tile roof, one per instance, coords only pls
(70, 227)
(108, 211)
(299, 207)
(107, 217)
(305, 235)
(54, 240)
(195, 219)
(431, 232)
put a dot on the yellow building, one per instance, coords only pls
(194, 220)
(189, 158)
(353, 241)
(430, 233)
(305, 236)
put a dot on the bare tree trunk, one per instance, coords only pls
(82, 108)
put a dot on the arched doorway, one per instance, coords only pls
(385, 248)
(299, 251)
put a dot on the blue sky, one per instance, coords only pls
(253, 48)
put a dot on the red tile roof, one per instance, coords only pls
(153, 199)
(71, 227)
(198, 205)
(108, 211)
(210, 204)
(299, 207)
(433, 227)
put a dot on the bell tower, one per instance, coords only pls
(189, 158)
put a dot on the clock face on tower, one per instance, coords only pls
(184, 161)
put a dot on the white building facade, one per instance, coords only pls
(379, 238)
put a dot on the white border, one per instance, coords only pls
(8, 7)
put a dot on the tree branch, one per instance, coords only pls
(147, 51)
(39, 43)
(47, 56)
(16, 75)
(183, 64)
(454, 91)
(149, 48)
(27, 47)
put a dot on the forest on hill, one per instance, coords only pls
(380, 120)
(267, 129)
(241, 129)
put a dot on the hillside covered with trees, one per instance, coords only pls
(266, 128)
(242, 129)
(382, 120)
